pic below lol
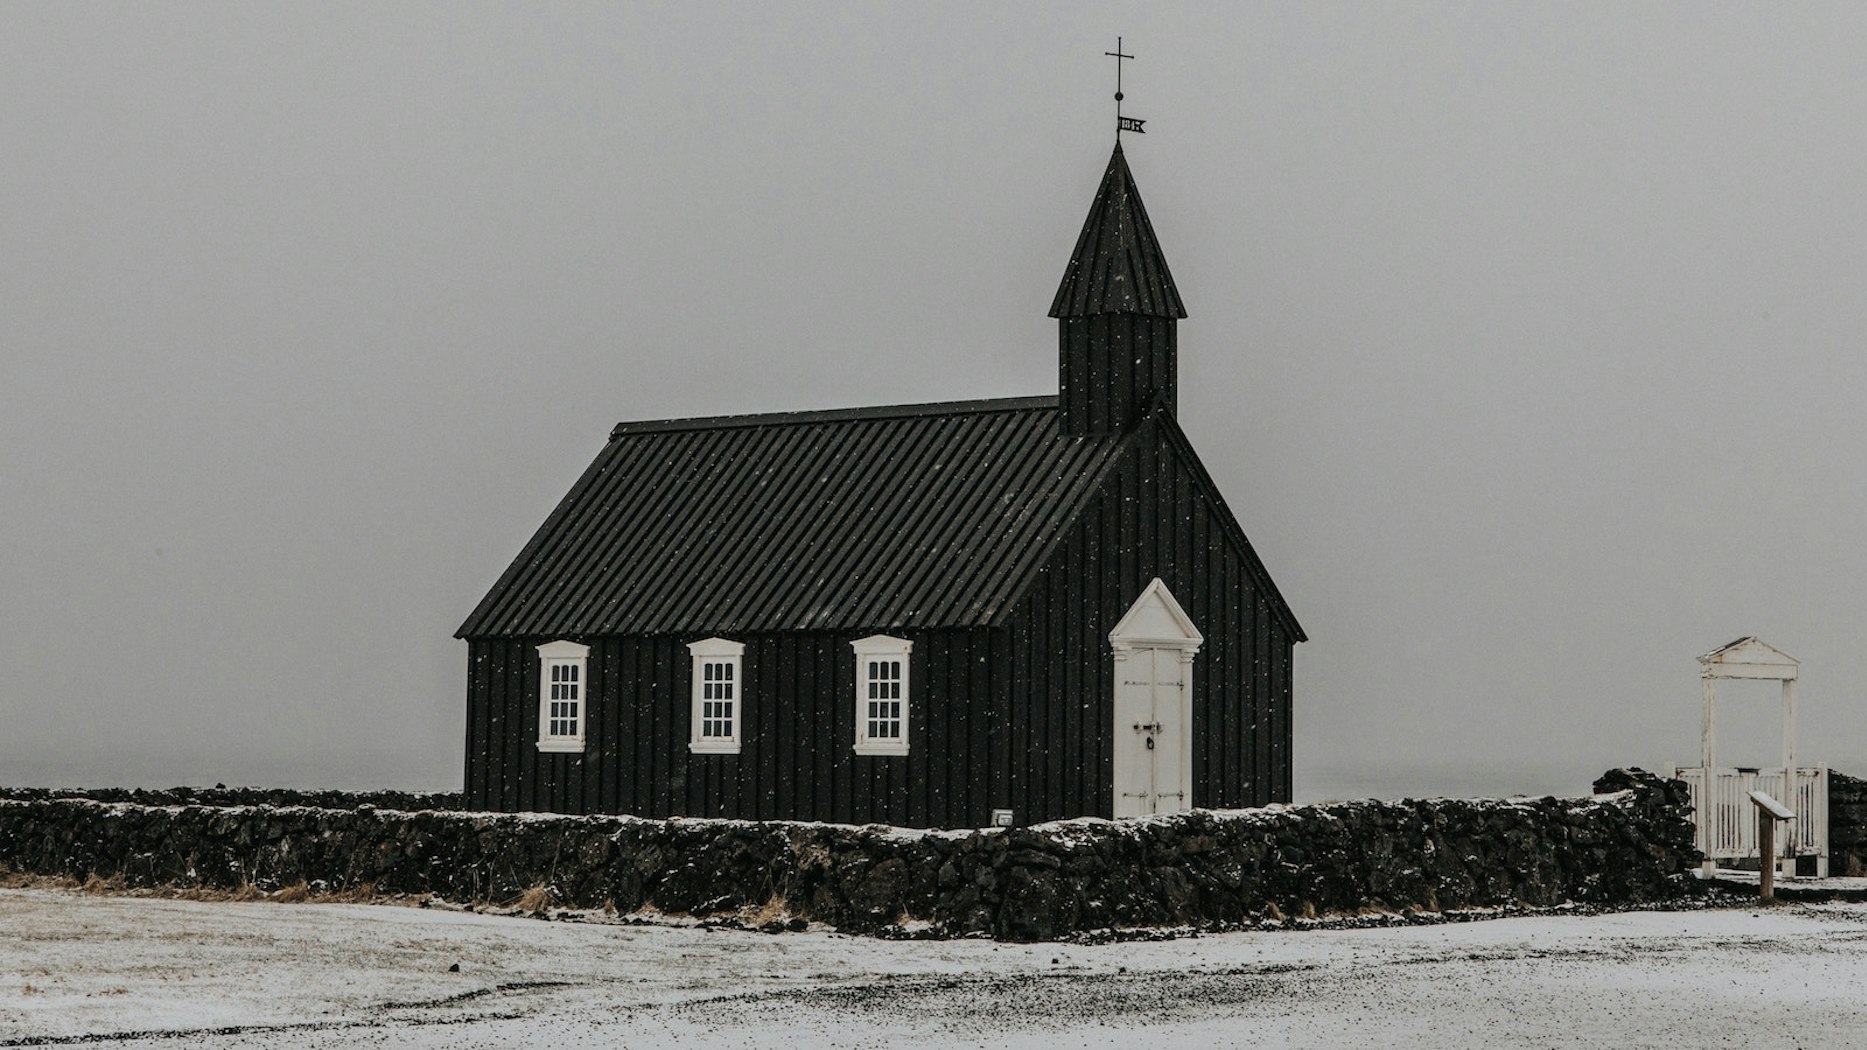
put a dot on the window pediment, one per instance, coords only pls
(716, 647)
(881, 643)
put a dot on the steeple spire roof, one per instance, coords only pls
(1117, 267)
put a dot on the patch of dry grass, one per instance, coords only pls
(360, 893)
(773, 910)
(98, 885)
(537, 900)
(246, 891)
(117, 886)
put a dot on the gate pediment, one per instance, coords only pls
(1749, 657)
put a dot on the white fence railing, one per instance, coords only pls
(1727, 826)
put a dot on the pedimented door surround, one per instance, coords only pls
(1154, 644)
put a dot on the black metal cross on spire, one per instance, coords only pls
(1122, 123)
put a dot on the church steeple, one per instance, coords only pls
(1116, 312)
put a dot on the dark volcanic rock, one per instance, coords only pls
(1847, 824)
(221, 795)
(1632, 842)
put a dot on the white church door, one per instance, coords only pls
(1154, 647)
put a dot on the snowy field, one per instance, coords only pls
(77, 968)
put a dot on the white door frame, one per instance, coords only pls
(1154, 622)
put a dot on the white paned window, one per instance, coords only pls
(563, 695)
(882, 695)
(719, 696)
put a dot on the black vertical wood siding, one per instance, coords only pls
(1014, 716)
(1113, 369)
(1153, 518)
(797, 732)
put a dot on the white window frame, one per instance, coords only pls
(868, 650)
(731, 655)
(572, 655)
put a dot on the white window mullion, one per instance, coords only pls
(563, 696)
(883, 695)
(718, 696)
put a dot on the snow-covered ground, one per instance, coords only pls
(139, 972)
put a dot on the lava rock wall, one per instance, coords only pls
(1632, 842)
(222, 795)
(1847, 824)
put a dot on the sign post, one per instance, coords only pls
(1769, 811)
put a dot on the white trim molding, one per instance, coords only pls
(1154, 629)
(883, 694)
(718, 696)
(1156, 621)
(563, 696)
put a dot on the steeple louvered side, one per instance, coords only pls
(1116, 312)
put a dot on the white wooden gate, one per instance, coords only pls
(1727, 822)
(1722, 818)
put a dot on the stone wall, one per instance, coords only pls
(1847, 824)
(222, 795)
(1631, 843)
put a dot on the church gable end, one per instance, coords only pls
(1156, 515)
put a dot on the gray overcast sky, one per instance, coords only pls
(1525, 340)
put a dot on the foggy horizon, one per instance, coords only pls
(1523, 341)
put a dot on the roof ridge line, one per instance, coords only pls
(833, 415)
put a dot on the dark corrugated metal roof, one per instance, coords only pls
(904, 516)
(1117, 267)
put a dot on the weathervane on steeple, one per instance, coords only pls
(1122, 123)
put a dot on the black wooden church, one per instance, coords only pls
(939, 615)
